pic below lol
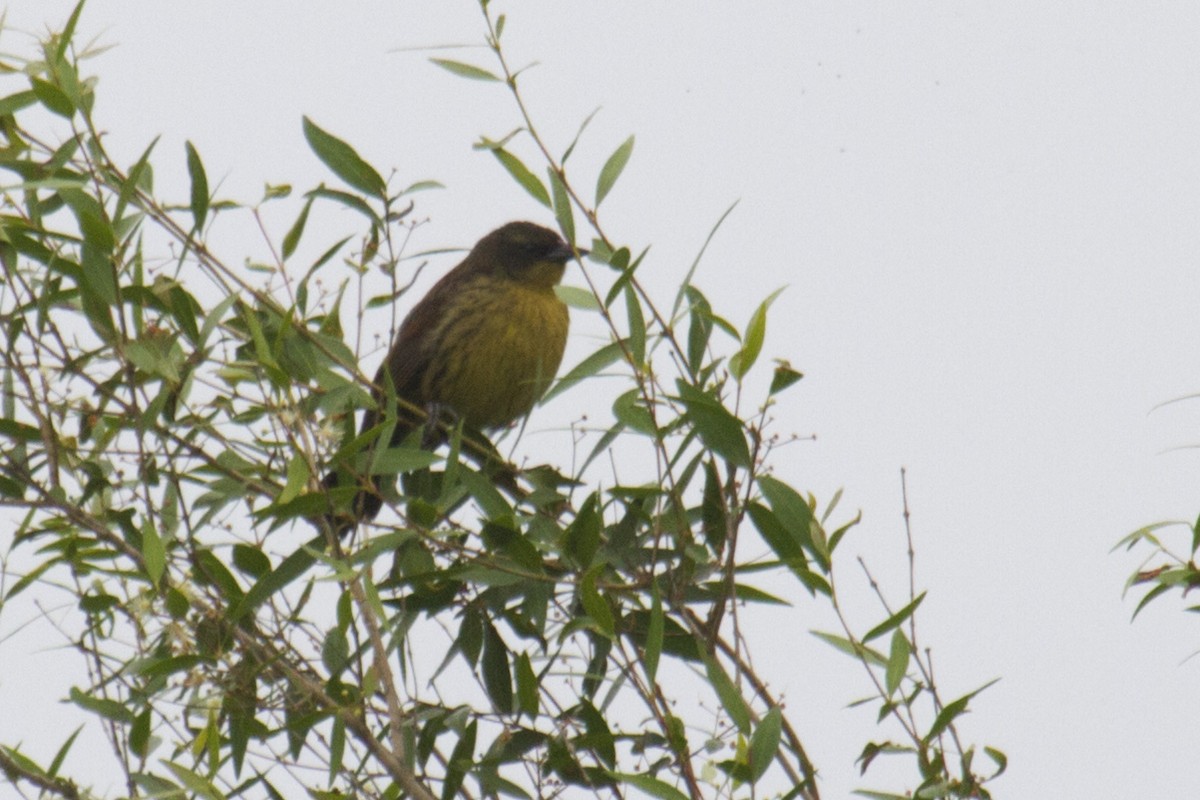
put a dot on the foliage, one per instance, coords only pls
(1174, 570)
(166, 422)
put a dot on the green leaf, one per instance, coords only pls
(952, 710)
(198, 784)
(213, 571)
(527, 687)
(297, 479)
(597, 667)
(637, 327)
(68, 32)
(53, 98)
(251, 560)
(528, 181)
(288, 570)
(719, 429)
(654, 635)
(897, 666)
(402, 460)
(465, 70)
(764, 744)
(335, 650)
(562, 206)
(350, 201)
(337, 747)
(109, 709)
(895, 620)
(61, 755)
(153, 553)
(484, 492)
(594, 604)
(630, 411)
(999, 758)
(597, 736)
(199, 186)
(577, 297)
(421, 186)
(851, 649)
(700, 325)
(292, 238)
(497, 678)
(583, 534)
(15, 102)
(462, 759)
(797, 517)
(605, 356)
(343, 160)
(612, 169)
(756, 331)
(582, 127)
(214, 318)
(784, 377)
(946, 717)
(19, 431)
(650, 785)
(687, 281)
(731, 699)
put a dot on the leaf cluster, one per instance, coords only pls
(167, 421)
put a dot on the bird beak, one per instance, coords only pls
(566, 253)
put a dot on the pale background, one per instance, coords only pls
(987, 218)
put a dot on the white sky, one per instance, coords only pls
(987, 218)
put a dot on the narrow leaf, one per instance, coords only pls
(343, 160)
(521, 174)
(68, 32)
(292, 238)
(288, 570)
(719, 429)
(594, 604)
(605, 356)
(497, 677)
(199, 186)
(53, 98)
(651, 786)
(153, 553)
(756, 331)
(465, 70)
(637, 326)
(562, 206)
(946, 717)
(687, 281)
(794, 513)
(612, 169)
(527, 686)
(764, 744)
(654, 635)
(109, 709)
(895, 620)
(731, 699)
(461, 760)
(897, 665)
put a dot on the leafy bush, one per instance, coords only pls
(166, 423)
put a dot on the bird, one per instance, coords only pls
(483, 345)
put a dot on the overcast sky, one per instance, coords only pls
(986, 216)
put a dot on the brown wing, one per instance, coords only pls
(416, 348)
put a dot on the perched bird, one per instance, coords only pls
(483, 345)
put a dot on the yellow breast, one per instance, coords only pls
(499, 359)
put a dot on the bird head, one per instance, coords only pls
(526, 253)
